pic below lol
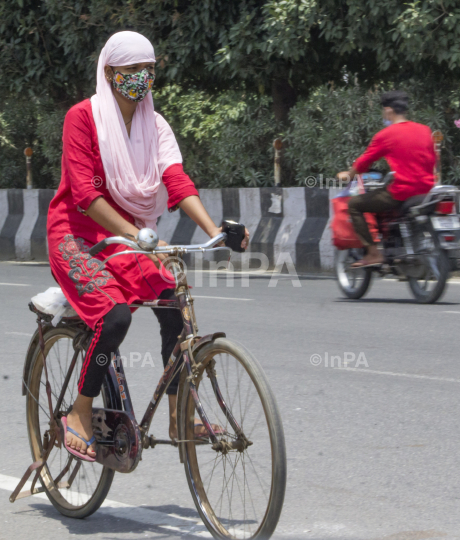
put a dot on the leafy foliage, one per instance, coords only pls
(218, 61)
(51, 46)
(331, 129)
(19, 119)
(56, 40)
(394, 38)
(226, 139)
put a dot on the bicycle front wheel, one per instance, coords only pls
(238, 485)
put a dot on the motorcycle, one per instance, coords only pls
(420, 243)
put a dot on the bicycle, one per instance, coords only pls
(236, 474)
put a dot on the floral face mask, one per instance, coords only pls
(134, 86)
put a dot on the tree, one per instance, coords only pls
(394, 39)
(282, 47)
(50, 47)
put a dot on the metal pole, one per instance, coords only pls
(28, 153)
(278, 145)
(437, 139)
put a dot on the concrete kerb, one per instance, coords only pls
(287, 225)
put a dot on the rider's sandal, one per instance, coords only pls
(371, 265)
(76, 453)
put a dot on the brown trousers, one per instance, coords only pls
(374, 202)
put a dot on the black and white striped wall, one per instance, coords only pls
(286, 224)
(23, 223)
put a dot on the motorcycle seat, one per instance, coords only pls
(410, 203)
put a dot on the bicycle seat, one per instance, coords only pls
(53, 305)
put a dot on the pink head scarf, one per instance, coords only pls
(133, 165)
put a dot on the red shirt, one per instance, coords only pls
(409, 150)
(71, 233)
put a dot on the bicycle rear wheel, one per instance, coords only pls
(239, 488)
(76, 488)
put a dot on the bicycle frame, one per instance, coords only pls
(181, 357)
(182, 352)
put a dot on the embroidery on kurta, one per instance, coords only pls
(82, 265)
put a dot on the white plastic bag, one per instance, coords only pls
(53, 302)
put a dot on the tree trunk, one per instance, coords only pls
(284, 98)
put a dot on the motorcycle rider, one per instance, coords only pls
(408, 148)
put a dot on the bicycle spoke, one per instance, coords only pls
(249, 491)
(259, 416)
(263, 488)
(38, 403)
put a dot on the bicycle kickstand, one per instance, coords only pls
(38, 465)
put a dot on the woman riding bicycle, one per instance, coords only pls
(121, 167)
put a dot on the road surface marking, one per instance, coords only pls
(16, 284)
(224, 298)
(128, 511)
(19, 334)
(457, 312)
(395, 374)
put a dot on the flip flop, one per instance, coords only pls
(218, 431)
(357, 265)
(79, 455)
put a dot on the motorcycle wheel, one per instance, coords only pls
(353, 283)
(431, 287)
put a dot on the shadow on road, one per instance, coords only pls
(268, 276)
(119, 522)
(392, 301)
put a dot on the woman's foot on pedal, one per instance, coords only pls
(200, 431)
(80, 421)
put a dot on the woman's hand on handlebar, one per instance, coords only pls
(195, 210)
(218, 230)
(160, 257)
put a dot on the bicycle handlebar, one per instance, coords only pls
(167, 250)
(98, 248)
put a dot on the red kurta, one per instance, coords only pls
(71, 233)
(408, 147)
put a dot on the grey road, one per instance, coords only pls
(368, 391)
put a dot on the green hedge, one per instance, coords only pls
(226, 138)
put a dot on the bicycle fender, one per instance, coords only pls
(207, 339)
(29, 357)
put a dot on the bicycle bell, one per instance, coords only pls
(147, 239)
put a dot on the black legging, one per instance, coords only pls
(109, 333)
